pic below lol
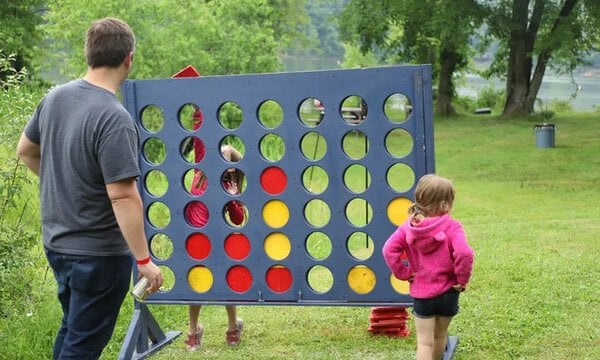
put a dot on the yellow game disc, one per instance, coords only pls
(401, 286)
(277, 246)
(397, 210)
(200, 279)
(276, 213)
(361, 279)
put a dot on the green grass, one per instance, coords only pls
(532, 217)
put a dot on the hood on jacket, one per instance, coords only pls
(429, 234)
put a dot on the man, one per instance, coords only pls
(83, 145)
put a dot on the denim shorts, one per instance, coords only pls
(445, 304)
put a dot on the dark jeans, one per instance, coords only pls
(91, 290)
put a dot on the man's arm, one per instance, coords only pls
(29, 153)
(128, 209)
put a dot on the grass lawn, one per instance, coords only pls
(532, 217)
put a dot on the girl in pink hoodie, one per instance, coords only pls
(440, 262)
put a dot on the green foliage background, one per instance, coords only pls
(18, 223)
(217, 37)
(18, 31)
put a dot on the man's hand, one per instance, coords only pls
(152, 272)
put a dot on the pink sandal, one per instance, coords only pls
(194, 341)
(233, 337)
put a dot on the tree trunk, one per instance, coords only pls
(449, 59)
(546, 53)
(521, 88)
(519, 62)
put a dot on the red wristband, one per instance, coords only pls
(143, 261)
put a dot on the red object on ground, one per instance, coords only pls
(389, 321)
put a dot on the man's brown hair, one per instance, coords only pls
(108, 42)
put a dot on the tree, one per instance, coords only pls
(217, 37)
(289, 19)
(535, 35)
(324, 23)
(354, 58)
(18, 31)
(417, 31)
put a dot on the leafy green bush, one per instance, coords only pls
(543, 113)
(17, 234)
(561, 106)
(487, 97)
(490, 97)
(464, 104)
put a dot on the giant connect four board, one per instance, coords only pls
(327, 169)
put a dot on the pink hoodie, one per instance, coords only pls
(438, 255)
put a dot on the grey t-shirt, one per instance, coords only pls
(87, 140)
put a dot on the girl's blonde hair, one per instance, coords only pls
(434, 196)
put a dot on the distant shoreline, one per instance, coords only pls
(582, 90)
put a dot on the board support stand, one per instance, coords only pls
(144, 335)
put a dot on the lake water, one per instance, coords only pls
(560, 87)
(583, 90)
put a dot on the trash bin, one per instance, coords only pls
(544, 135)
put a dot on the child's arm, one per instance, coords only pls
(463, 256)
(392, 251)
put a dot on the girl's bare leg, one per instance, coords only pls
(425, 338)
(231, 317)
(441, 335)
(193, 315)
